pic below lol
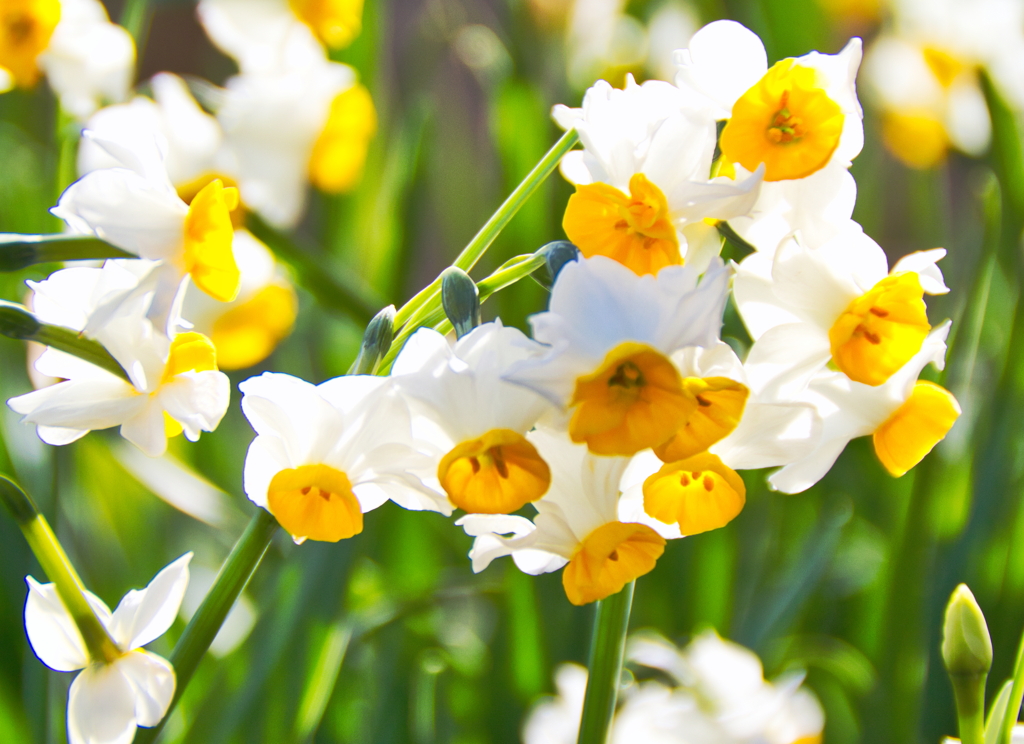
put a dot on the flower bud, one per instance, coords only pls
(557, 254)
(17, 502)
(17, 322)
(966, 645)
(380, 332)
(460, 299)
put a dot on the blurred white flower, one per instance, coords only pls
(644, 192)
(476, 419)
(88, 60)
(839, 303)
(324, 454)
(109, 699)
(611, 334)
(577, 526)
(174, 383)
(801, 119)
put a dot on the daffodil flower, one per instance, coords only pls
(611, 334)
(906, 417)
(689, 484)
(174, 383)
(135, 207)
(644, 192)
(800, 119)
(837, 304)
(292, 117)
(478, 420)
(577, 526)
(325, 454)
(111, 697)
(87, 59)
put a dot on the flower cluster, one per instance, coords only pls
(716, 694)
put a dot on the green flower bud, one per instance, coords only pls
(966, 644)
(379, 334)
(460, 299)
(556, 255)
(17, 322)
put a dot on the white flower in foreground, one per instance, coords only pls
(577, 526)
(730, 428)
(611, 334)
(906, 417)
(135, 207)
(800, 118)
(476, 419)
(644, 192)
(728, 681)
(246, 330)
(110, 698)
(88, 60)
(325, 454)
(839, 303)
(174, 382)
(292, 117)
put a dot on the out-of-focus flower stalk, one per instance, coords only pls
(58, 569)
(19, 251)
(607, 648)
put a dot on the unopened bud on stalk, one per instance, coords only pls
(460, 299)
(376, 341)
(557, 254)
(966, 645)
(17, 322)
(15, 256)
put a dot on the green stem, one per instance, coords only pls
(58, 569)
(1016, 696)
(19, 251)
(493, 227)
(18, 323)
(969, 691)
(135, 20)
(206, 623)
(67, 155)
(325, 285)
(607, 648)
(1007, 158)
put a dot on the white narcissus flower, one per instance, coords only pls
(291, 117)
(800, 118)
(88, 60)
(906, 417)
(246, 330)
(325, 454)
(839, 303)
(644, 192)
(135, 207)
(476, 419)
(110, 698)
(731, 428)
(174, 382)
(611, 334)
(577, 526)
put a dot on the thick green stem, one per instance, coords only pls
(1016, 696)
(58, 569)
(493, 227)
(969, 691)
(19, 251)
(607, 648)
(206, 623)
(135, 20)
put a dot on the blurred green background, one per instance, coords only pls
(389, 637)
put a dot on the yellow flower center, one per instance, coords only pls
(633, 401)
(209, 235)
(699, 493)
(494, 474)
(246, 334)
(915, 427)
(944, 66)
(633, 229)
(609, 558)
(718, 404)
(881, 330)
(190, 352)
(188, 191)
(25, 30)
(786, 121)
(315, 502)
(917, 138)
(335, 22)
(339, 153)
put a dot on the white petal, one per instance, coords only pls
(51, 631)
(152, 678)
(146, 430)
(769, 435)
(101, 707)
(197, 400)
(783, 360)
(924, 264)
(145, 615)
(723, 61)
(89, 404)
